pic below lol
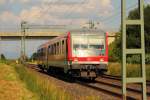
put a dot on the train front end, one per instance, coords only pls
(88, 53)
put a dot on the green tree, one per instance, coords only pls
(133, 35)
(34, 56)
(133, 32)
(115, 49)
(3, 57)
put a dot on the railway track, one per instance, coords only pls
(103, 88)
(107, 84)
(132, 89)
(119, 78)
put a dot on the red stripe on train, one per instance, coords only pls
(98, 58)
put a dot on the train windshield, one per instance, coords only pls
(85, 45)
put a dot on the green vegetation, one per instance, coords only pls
(133, 41)
(44, 88)
(11, 88)
(133, 38)
(34, 56)
(35, 87)
(3, 57)
(133, 70)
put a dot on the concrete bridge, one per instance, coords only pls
(34, 35)
(40, 35)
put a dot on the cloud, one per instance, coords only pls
(9, 17)
(2, 2)
(62, 13)
(30, 15)
(36, 15)
(14, 1)
(25, 1)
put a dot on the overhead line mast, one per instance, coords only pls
(128, 51)
(25, 26)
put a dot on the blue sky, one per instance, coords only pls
(74, 13)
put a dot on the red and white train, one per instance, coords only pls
(79, 53)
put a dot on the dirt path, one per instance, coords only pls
(11, 88)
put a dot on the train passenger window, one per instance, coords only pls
(81, 46)
(57, 50)
(54, 49)
(49, 49)
(94, 46)
(62, 46)
(63, 42)
(66, 48)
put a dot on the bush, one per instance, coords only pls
(147, 59)
(133, 59)
(133, 70)
(136, 59)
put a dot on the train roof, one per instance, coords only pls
(97, 31)
(53, 39)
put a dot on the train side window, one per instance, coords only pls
(62, 47)
(52, 49)
(57, 50)
(49, 49)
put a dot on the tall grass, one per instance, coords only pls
(44, 88)
(133, 70)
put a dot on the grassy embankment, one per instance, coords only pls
(132, 70)
(45, 88)
(11, 88)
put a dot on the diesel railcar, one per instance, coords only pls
(79, 53)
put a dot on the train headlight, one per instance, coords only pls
(76, 59)
(101, 60)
